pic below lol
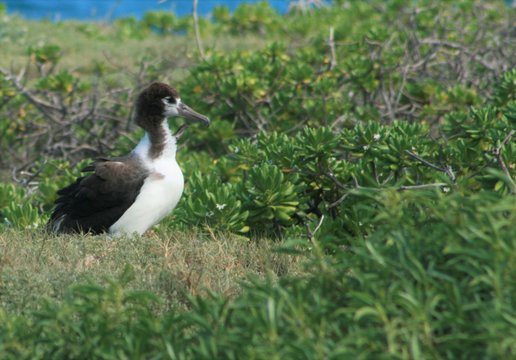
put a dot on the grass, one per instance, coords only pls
(105, 44)
(172, 265)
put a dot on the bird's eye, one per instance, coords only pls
(170, 100)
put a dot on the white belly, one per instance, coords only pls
(158, 196)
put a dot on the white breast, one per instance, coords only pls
(159, 194)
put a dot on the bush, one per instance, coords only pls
(277, 182)
(283, 181)
(434, 279)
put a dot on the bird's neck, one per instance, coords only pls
(158, 142)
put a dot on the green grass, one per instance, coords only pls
(34, 265)
(85, 44)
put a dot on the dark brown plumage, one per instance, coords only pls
(149, 113)
(96, 202)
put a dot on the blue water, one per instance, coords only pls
(102, 9)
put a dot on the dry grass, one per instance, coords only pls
(174, 266)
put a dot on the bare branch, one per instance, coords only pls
(334, 179)
(331, 44)
(462, 48)
(41, 104)
(422, 186)
(311, 234)
(196, 28)
(498, 154)
(339, 201)
(446, 169)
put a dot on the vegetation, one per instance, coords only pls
(359, 175)
(435, 279)
(173, 265)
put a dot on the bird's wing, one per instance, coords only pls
(96, 201)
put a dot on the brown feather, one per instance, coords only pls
(96, 201)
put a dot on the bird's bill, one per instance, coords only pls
(190, 114)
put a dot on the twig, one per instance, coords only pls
(498, 154)
(423, 186)
(331, 44)
(462, 48)
(112, 10)
(311, 234)
(446, 169)
(211, 233)
(196, 28)
(31, 176)
(427, 163)
(449, 171)
(386, 99)
(339, 201)
(334, 179)
(34, 100)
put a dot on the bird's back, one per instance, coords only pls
(96, 201)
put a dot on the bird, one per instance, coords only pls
(132, 193)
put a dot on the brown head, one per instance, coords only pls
(159, 101)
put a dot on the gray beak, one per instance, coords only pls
(190, 114)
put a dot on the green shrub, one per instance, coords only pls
(434, 279)
(286, 181)
(93, 322)
(46, 54)
(505, 90)
(129, 28)
(212, 203)
(161, 22)
(16, 210)
(266, 90)
(277, 181)
(270, 199)
(258, 18)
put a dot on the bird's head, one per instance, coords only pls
(159, 101)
